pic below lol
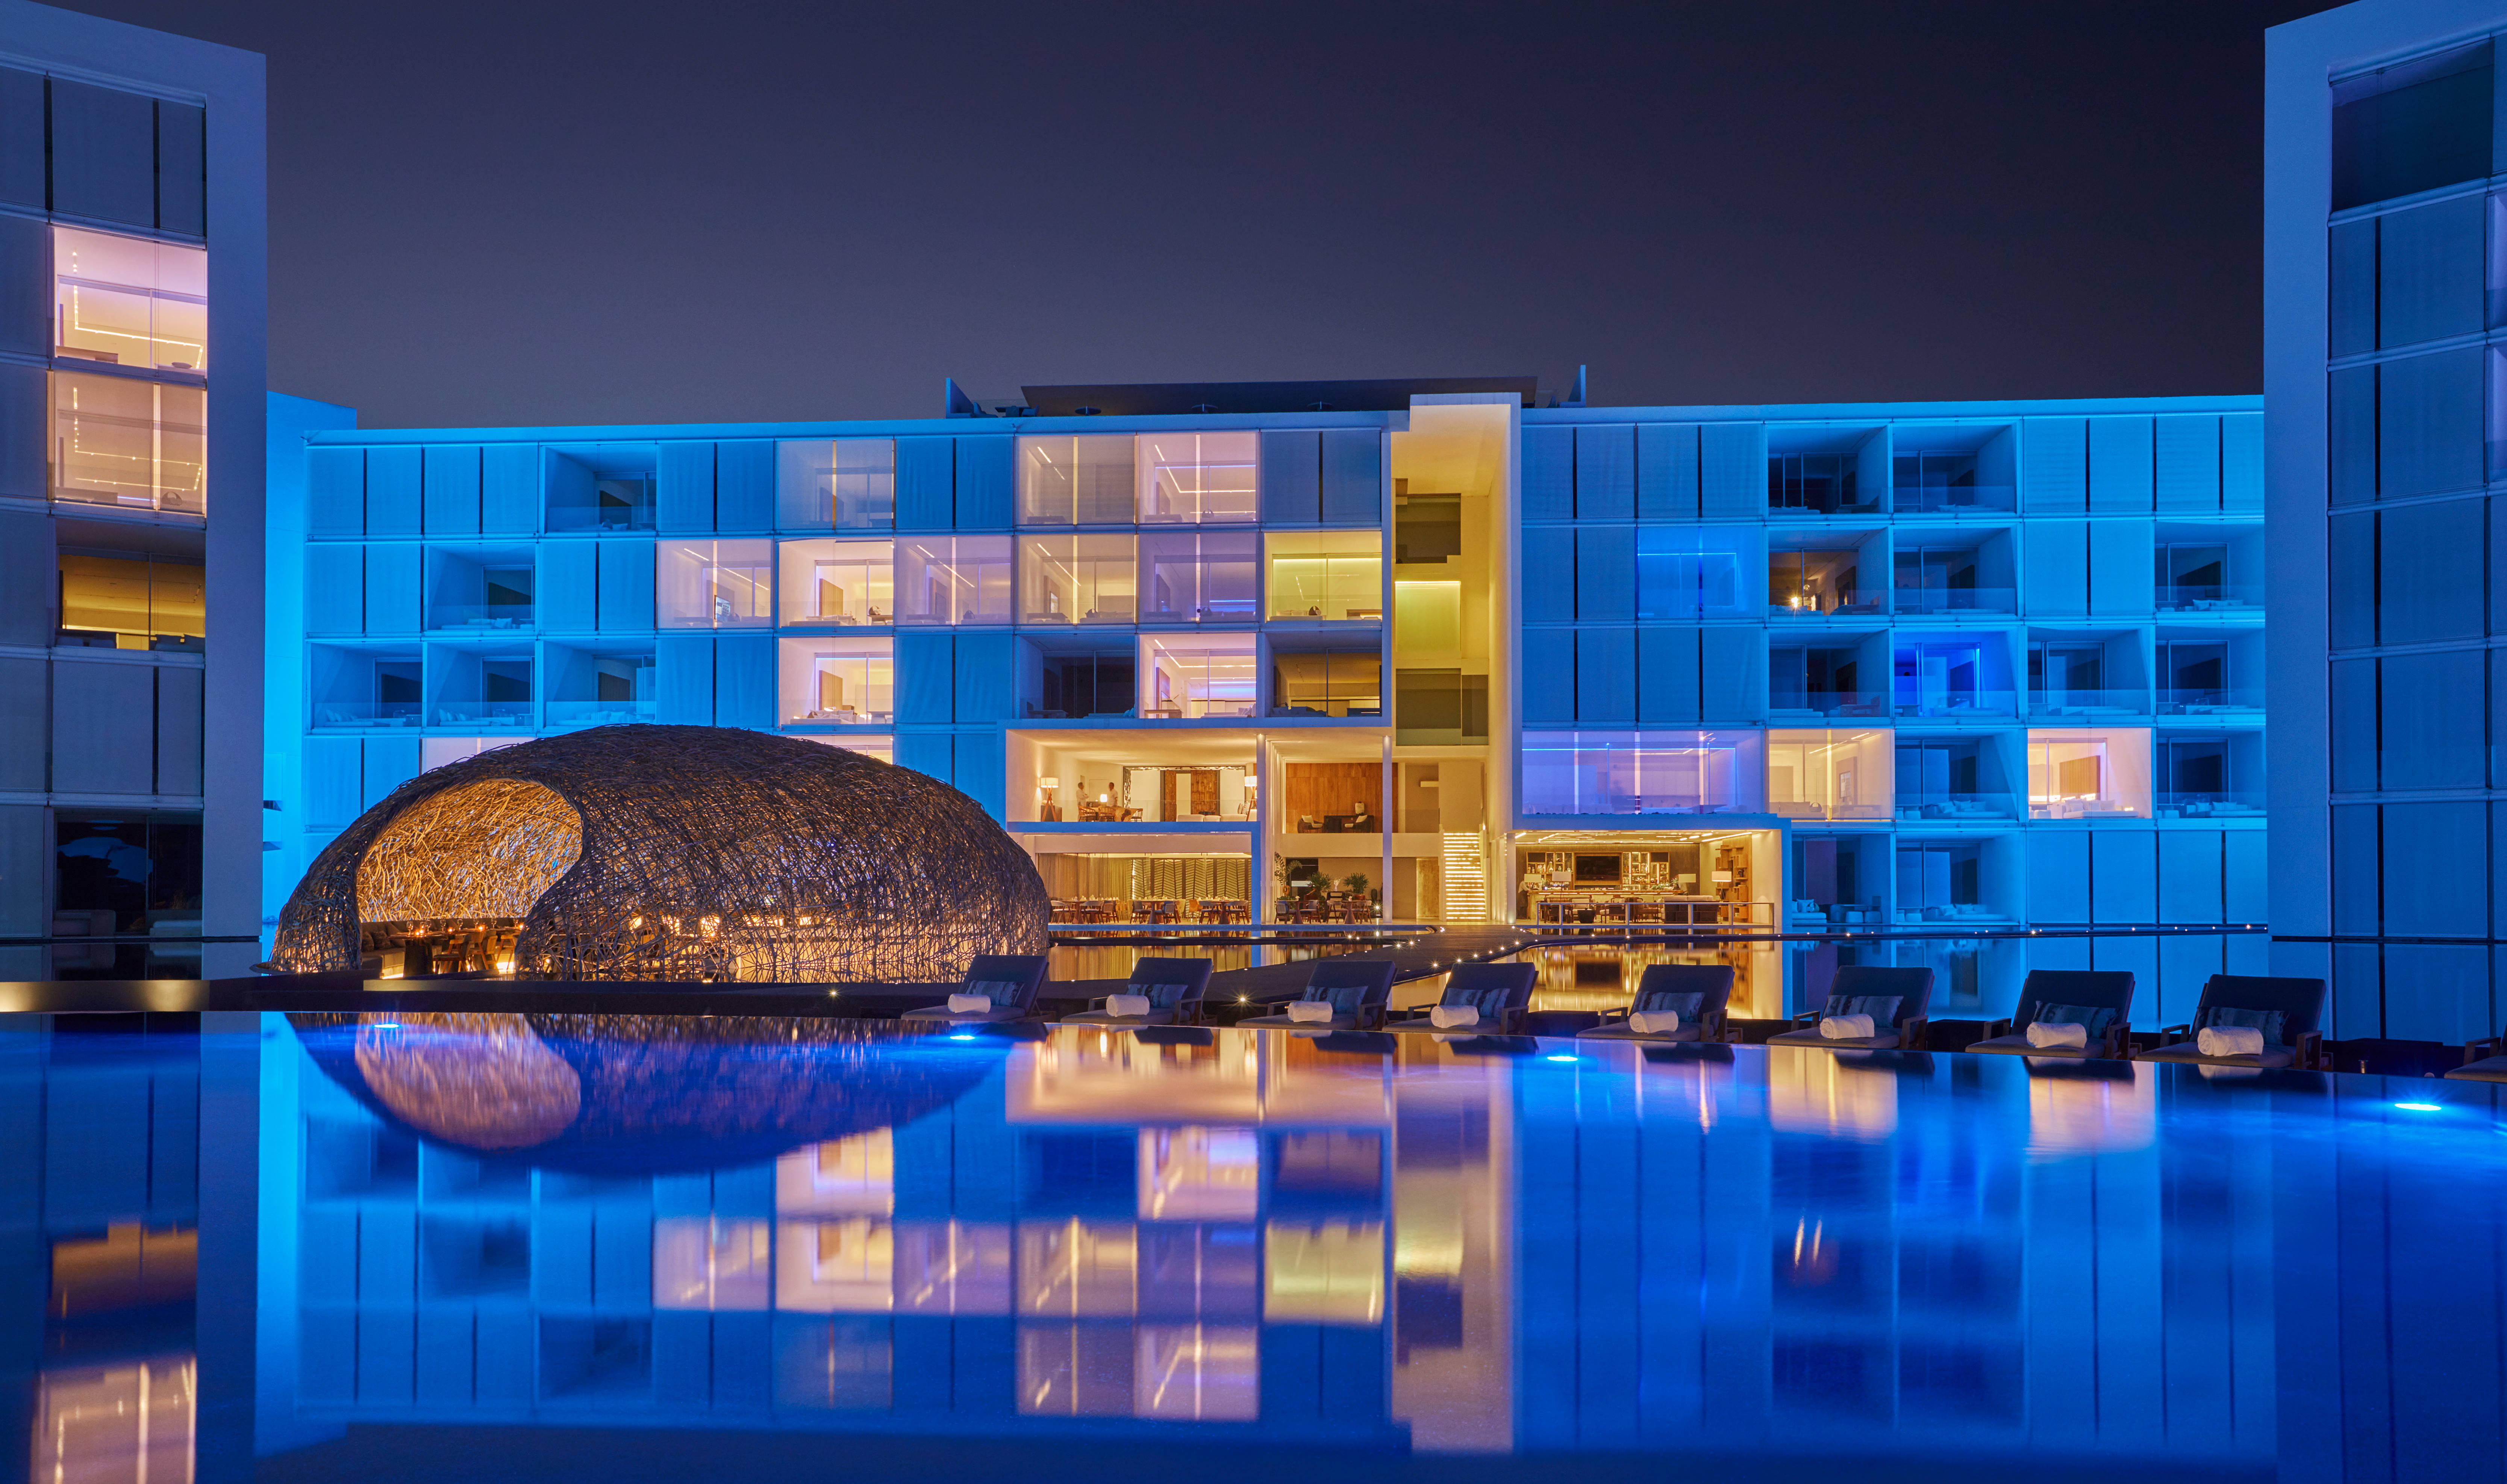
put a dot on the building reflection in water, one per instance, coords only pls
(1467, 1244)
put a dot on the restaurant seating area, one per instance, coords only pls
(1162, 911)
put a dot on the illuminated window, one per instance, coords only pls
(952, 1267)
(1332, 574)
(1331, 1274)
(701, 1262)
(120, 1422)
(846, 583)
(839, 680)
(1199, 1175)
(953, 579)
(1830, 775)
(1196, 676)
(1076, 1269)
(2088, 774)
(1197, 1372)
(844, 484)
(129, 302)
(1642, 773)
(1077, 580)
(1075, 481)
(1198, 577)
(714, 583)
(840, 1266)
(131, 603)
(1197, 477)
(133, 444)
(882, 747)
(842, 1176)
(1330, 684)
(1074, 1371)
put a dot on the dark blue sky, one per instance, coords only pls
(544, 212)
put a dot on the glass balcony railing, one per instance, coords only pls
(478, 617)
(2077, 703)
(1956, 704)
(1833, 703)
(163, 644)
(2202, 598)
(365, 714)
(2226, 698)
(595, 713)
(2234, 805)
(1860, 605)
(1953, 808)
(1952, 499)
(496, 715)
(1924, 600)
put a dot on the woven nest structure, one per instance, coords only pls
(680, 853)
(635, 1094)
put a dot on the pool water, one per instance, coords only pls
(558, 1248)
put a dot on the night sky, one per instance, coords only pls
(521, 213)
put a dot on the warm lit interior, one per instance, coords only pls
(127, 302)
(838, 679)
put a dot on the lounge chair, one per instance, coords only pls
(1697, 992)
(1356, 990)
(1895, 998)
(2285, 1010)
(1172, 987)
(2484, 1061)
(1010, 981)
(2099, 998)
(1499, 991)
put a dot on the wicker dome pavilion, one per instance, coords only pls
(654, 852)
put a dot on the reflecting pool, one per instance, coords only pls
(558, 1248)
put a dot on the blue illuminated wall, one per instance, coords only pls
(2382, 314)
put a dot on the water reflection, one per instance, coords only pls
(1367, 1246)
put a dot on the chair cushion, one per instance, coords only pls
(1344, 999)
(2187, 1051)
(2268, 1021)
(2095, 1019)
(1884, 1040)
(2018, 1045)
(1163, 996)
(1882, 1009)
(1488, 1001)
(2487, 1069)
(1688, 1004)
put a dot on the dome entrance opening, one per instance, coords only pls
(445, 888)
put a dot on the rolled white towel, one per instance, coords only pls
(1454, 1017)
(1308, 1011)
(2058, 1034)
(1845, 1028)
(971, 1005)
(1653, 1021)
(2229, 1041)
(1127, 1004)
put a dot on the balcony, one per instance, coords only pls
(598, 714)
(1954, 808)
(2240, 805)
(365, 714)
(2211, 597)
(1928, 602)
(1957, 703)
(479, 618)
(485, 715)
(1833, 703)
(2207, 702)
(1953, 499)
(2089, 703)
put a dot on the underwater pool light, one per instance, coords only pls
(2422, 1107)
(1562, 1057)
(962, 1036)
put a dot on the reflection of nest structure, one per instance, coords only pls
(679, 853)
(636, 1093)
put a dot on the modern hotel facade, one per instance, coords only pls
(131, 489)
(2385, 308)
(1433, 650)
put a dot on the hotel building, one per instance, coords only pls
(1446, 651)
(130, 490)
(2385, 309)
